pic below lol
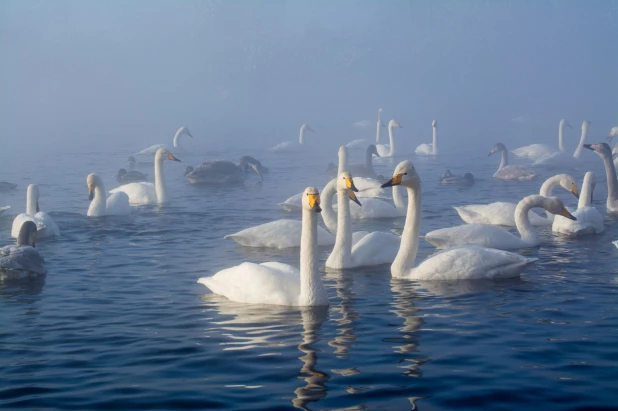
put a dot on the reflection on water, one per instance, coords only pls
(343, 280)
(403, 306)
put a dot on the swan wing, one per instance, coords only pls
(50, 228)
(118, 204)
(284, 147)
(152, 150)
(384, 150)
(216, 172)
(20, 261)
(375, 248)
(278, 234)
(556, 159)
(139, 193)
(534, 151)
(294, 203)
(515, 173)
(424, 150)
(357, 236)
(481, 235)
(357, 144)
(373, 208)
(498, 213)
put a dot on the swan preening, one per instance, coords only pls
(503, 213)
(563, 159)
(223, 171)
(142, 193)
(287, 146)
(22, 260)
(537, 151)
(277, 283)
(116, 204)
(589, 220)
(430, 149)
(177, 147)
(458, 263)
(603, 150)
(46, 227)
(388, 150)
(491, 236)
(507, 172)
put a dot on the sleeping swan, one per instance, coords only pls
(115, 204)
(46, 227)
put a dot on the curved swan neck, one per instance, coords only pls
(522, 220)
(343, 160)
(408, 249)
(434, 145)
(547, 189)
(328, 213)
(585, 197)
(160, 181)
(98, 205)
(378, 129)
(31, 200)
(177, 137)
(560, 138)
(301, 136)
(505, 160)
(582, 141)
(369, 161)
(342, 251)
(391, 141)
(398, 198)
(612, 181)
(311, 288)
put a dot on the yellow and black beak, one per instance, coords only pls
(349, 183)
(90, 192)
(314, 202)
(354, 198)
(170, 156)
(395, 181)
(574, 191)
(565, 213)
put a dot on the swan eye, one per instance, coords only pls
(405, 174)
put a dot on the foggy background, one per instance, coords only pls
(99, 74)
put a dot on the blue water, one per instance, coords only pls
(120, 322)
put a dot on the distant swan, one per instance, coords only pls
(503, 213)
(177, 148)
(589, 220)
(603, 150)
(361, 142)
(507, 172)
(3, 209)
(115, 204)
(46, 227)
(132, 176)
(22, 260)
(277, 283)
(613, 132)
(536, 151)
(359, 170)
(142, 193)
(494, 237)
(222, 171)
(388, 150)
(288, 146)
(450, 179)
(458, 263)
(429, 149)
(563, 159)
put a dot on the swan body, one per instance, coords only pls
(177, 147)
(458, 263)
(507, 172)
(495, 237)
(132, 176)
(46, 227)
(277, 283)
(142, 193)
(465, 180)
(429, 149)
(278, 234)
(503, 213)
(537, 151)
(289, 146)
(589, 220)
(221, 172)
(563, 159)
(115, 204)
(603, 150)
(388, 150)
(22, 260)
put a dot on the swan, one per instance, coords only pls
(503, 213)
(328, 212)
(494, 237)
(373, 249)
(178, 148)
(361, 142)
(3, 209)
(615, 152)
(563, 159)
(22, 260)
(388, 150)
(536, 151)
(589, 220)
(459, 263)
(221, 171)
(249, 162)
(507, 172)
(115, 204)
(429, 149)
(613, 132)
(288, 146)
(46, 227)
(450, 179)
(602, 149)
(132, 176)
(148, 193)
(277, 283)
(5, 186)
(359, 170)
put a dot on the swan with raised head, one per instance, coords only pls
(361, 142)
(358, 170)
(222, 171)
(373, 249)
(115, 204)
(589, 220)
(388, 150)
(503, 213)
(507, 172)
(46, 227)
(277, 283)
(177, 147)
(22, 260)
(536, 151)
(603, 150)
(6, 186)
(288, 146)
(562, 158)
(142, 193)
(459, 263)
(429, 149)
(494, 237)
(132, 176)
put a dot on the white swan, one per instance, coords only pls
(22, 260)
(148, 193)
(507, 172)
(613, 132)
(536, 151)
(503, 213)
(46, 227)
(288, 146)
(222, 171)
(589, 220)
(494, 237)
(429, 149)
(359, 170)
(3, 209)
(373, 249)
(282, 233)
(277, 283)
(458, 263)
(361, 142)
(388, 150)
(115, 204)
(563, 159)
(177, 148)
(603, 150)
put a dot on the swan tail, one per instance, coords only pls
(468, 216)
(511, 270)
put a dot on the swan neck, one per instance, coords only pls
(378, 127)
(546, 191)
(391, 141)
(585, 196)
(582, 141)
(343, 161)
(328, 213)
(311, 288)
(398, 198)
(434, 145)
(98, 204)
(342, 251)
(612, 182)
(560, 138)
(30, 202)
(301, 136)
(160, 181)
(369, 161)
(177, 138)
(404, 261)
(522, 220)
(505, 160)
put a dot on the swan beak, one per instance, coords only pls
(314, 202)
(90, 192)
(395, 181)
(354, 198)
(170, 156)
(574, 191)
(257, 170)
(565, 213)
(37, 206)
(349, 183)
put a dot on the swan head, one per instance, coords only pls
(393, 123)
(434, 123)
(184, 130)
(405, 174)
(496, 148)
(255, 165)
(311, 199)
(380, 110)
(568, 183)
(307, 127)
(93, 181)
(345, 182)
(373, 150)
(563, 122)
(27, 234)
(163, 154)
(555, 206)
(33, 192)
(601, 149)
(585, 125)
(132, 160)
